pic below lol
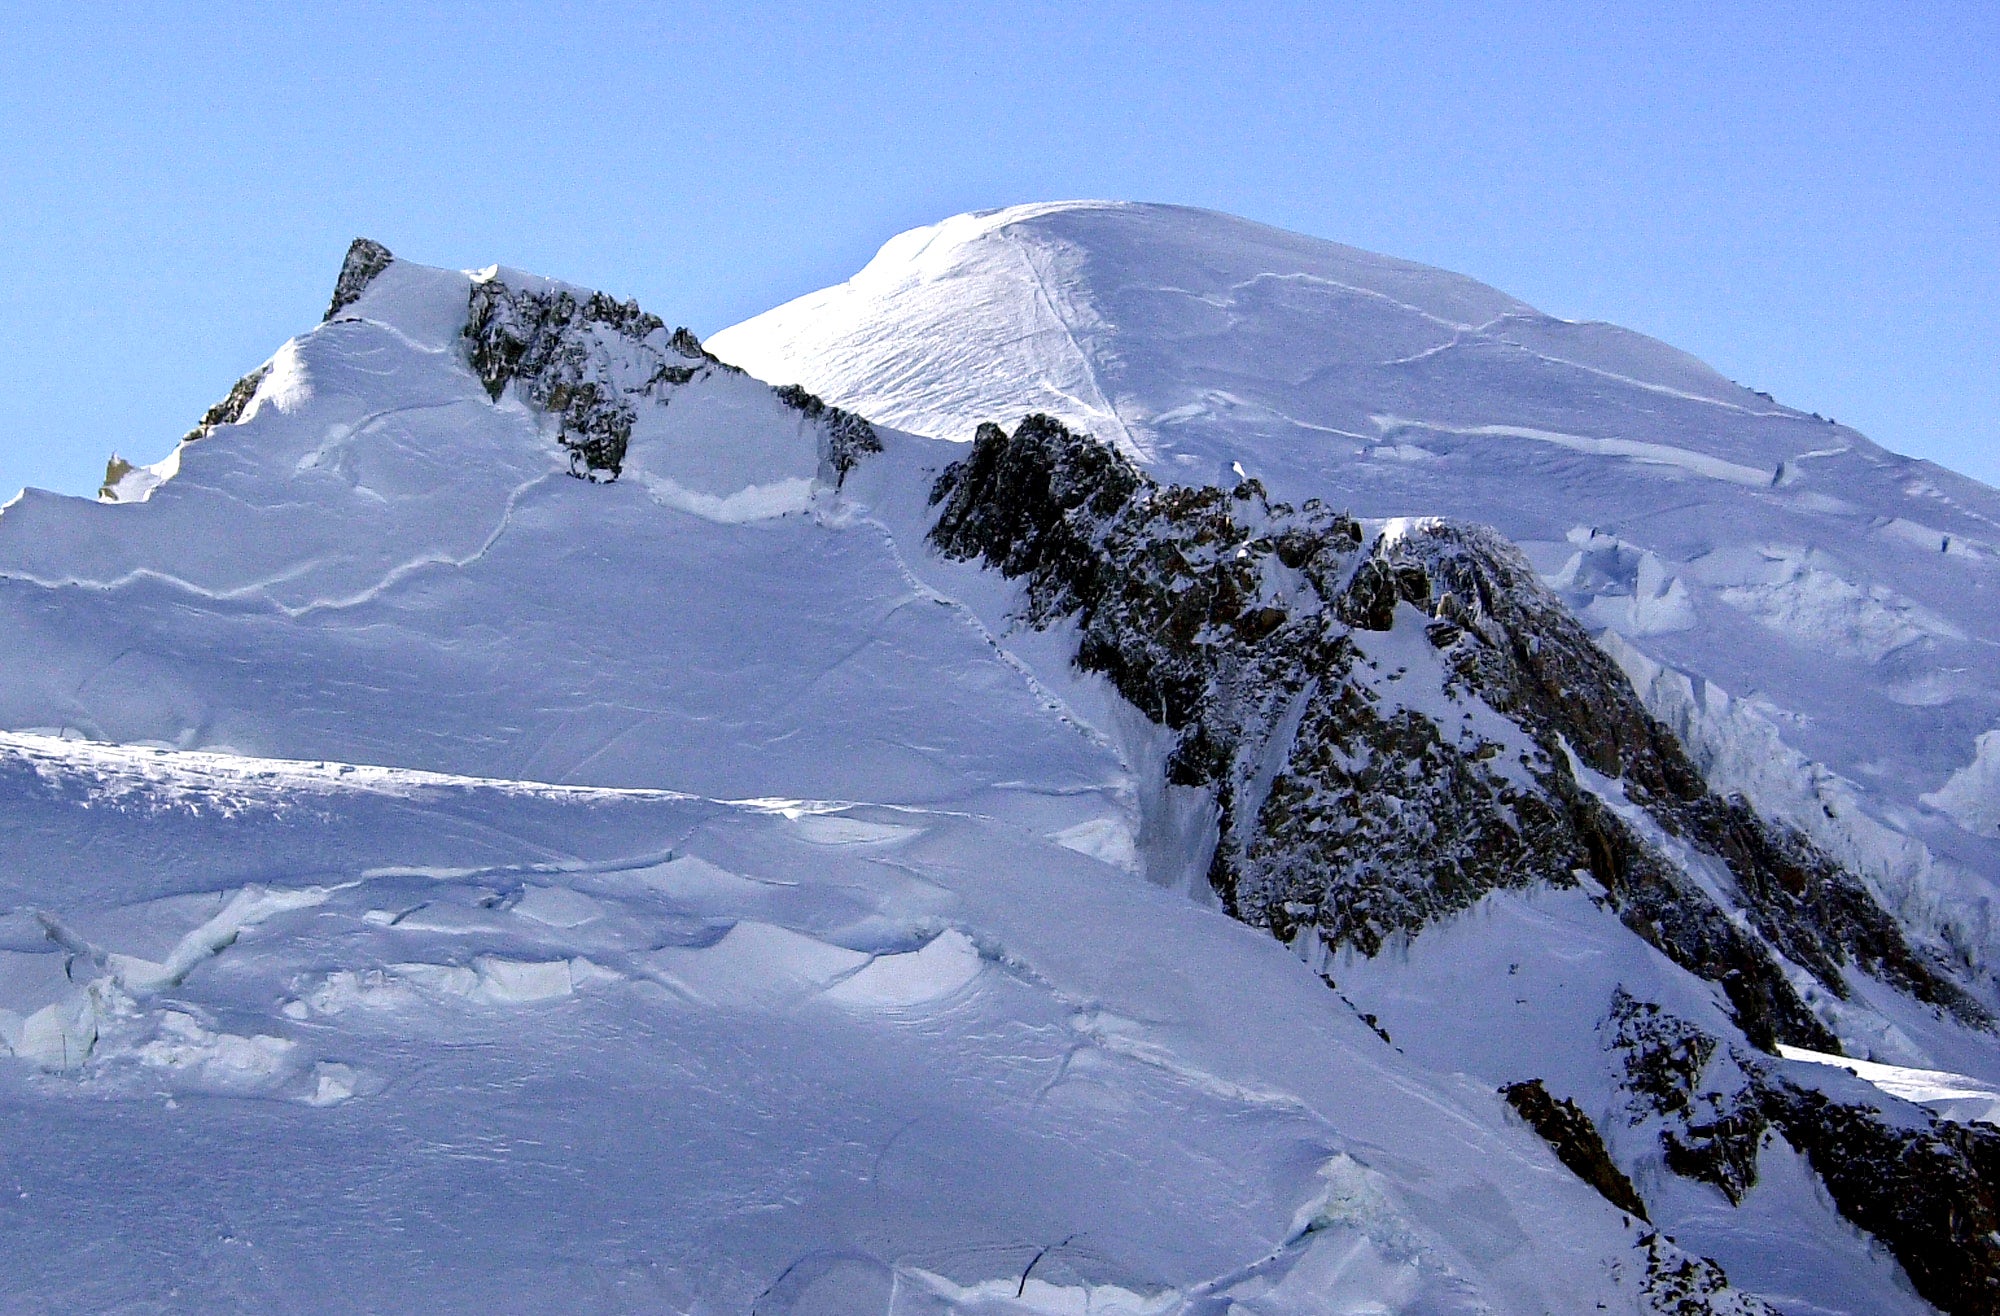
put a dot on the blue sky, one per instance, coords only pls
(1808, 196)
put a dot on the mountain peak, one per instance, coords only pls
(366, 258)
(995, 314)
(1715, 539)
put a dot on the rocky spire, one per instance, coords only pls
(365, 260)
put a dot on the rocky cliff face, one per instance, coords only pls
(1926, 1187)
(1395, 726)
(1396, 723)
(591, 361)
(365, 260)
(554, 345)
(226, 412)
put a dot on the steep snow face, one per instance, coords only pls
(1818, 617)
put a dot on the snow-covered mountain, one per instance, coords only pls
(1818, 618)
(515, 813)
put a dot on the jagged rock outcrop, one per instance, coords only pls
(849, 437)
(228, 411)
(1928, 1188)
(365, 259)
(1678, 1284)
(1531, 660)
(1576, 1142)
(591, 361)
(1393, 728)
(1694, 1090)
(553, 343)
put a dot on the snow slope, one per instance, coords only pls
(379, 1039)
(431, 880)
(1817, 617)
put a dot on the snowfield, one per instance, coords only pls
(432, 881)
(384, 1038)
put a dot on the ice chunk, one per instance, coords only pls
(522, 982)
(224, 1061)
(757, 964)
(332, 1084)
(60, 1035)
(558, 907)
(943, 967)
(1106, 839)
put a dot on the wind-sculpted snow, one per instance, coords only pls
(403, 1039)
(1844, 593)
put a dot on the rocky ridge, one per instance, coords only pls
(1366, 789)
(1928, 1188)
(589, 360)
(1395, 723)
(365, 259)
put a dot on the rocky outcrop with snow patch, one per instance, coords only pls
(591, 361)
(1926, 1187)
(365, 259)
(581, 360)
(1395, 727)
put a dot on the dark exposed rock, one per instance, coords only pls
(1575, 1141)
(1351, 815)
(1222, 617)
(1678, 1284)
(1522, 651)
(1664, 1055)
(1720, 1149)
(1712, 1125)
(1814, 912)
(1928, 1189)
(849, 437)
(590, 360)
(552, 344)
(1243, 625)
(231, 408)
(365, 260)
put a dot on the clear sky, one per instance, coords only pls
(1807, 196)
